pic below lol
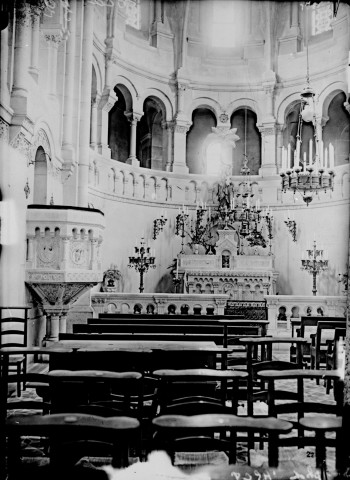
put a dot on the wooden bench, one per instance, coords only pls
(219, 331)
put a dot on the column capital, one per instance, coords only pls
(107, 100)
(347, 106)
(267, 129)
(166, 125)
(133, 116)
(53, 37)
(181, 128)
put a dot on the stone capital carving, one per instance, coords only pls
(181, 128)
(107, 100)
(133, 117)
(223, 117)
(4, 130)
(267, 129)
(53, 39)
(347, 106)
(21, 143)
(23, 14)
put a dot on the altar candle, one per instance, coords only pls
(288, 157)
(325, 158)
(310, 152)
(331, 156)
(321, 154)
(284, 162)
(304, 163)
(297, 155)
(177, 269)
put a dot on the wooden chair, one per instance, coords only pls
(71, 436)
(192, 391)
(188, 433)
(333, 353)
(71, 390)
(319, 344)
(13, 333)
(331, 413)
(260, 357)
(306, 327)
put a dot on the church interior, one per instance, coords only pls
(174, 237)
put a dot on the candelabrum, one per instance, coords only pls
(269, 222)
(142, 260)
(314, 262)
(181, 219)
(292, 227)
(158, 224)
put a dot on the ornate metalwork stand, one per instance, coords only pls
(180, 226)
(315, 263)
(142, 261)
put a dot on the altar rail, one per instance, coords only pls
(250, 310)
(283, 308)
(159, 303)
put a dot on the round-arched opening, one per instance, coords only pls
(203, 120)
(40, 177)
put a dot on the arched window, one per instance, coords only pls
(40, 177)
(225, 259)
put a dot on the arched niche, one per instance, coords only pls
(203, 120)
(245, 120)
(119, 127)
(150, 134)
(40, 177)
(336, 130)
(291, 128)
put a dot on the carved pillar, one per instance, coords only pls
(34, 60)
(21, 58)
(53, 40)
(279, 144)
(93, 123)
(268, 154)
(180, 138)
(85, 103)
(68, 151)
(52, 327)
(133, 119)
(4, 51)
(168, 133)
(107, 101)
(63, 323)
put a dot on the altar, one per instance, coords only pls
(242, 277)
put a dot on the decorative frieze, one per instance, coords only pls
(4, 130)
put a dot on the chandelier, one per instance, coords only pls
(314, 171)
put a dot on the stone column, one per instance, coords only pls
(4, 51)
(34, 60)
(21, 58)
(63, 323)
(54, 324)
(85, 104)
(268, 154)
(93, 123)
(179, 163)
(133, 119)
(107, 102)
(68, 151)
(53, 40)
(168, 132)
(279, 145)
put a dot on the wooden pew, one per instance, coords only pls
(219, 331)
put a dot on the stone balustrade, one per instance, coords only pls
(281, 308)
